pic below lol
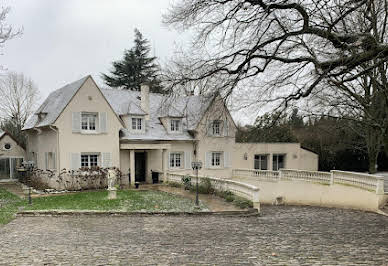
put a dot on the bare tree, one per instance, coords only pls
(7, 32)
(281, 51)
(364, 99)
(19, 97)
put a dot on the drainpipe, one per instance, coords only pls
(57, 157)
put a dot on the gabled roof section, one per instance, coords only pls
(53, 106)
(189, 108)
(6, 133)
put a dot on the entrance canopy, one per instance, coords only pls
(139, 146)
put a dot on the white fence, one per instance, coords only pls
(359, 180)
(241, 189)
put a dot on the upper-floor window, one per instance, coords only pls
(88, 121)
(175, 160)
(216, 128)
(89, 160)
(175, 125)
(137, 123)
(216, 159)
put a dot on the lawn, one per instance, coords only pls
(9, 204)
(127, 200)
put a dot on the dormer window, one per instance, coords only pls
(88, 121)
(216, 128)
(175, 125)
(137, 123)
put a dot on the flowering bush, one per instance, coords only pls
(82, 179)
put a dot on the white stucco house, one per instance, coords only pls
(81, 125)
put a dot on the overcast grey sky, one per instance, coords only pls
(64, 40)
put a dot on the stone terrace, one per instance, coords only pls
(281, 236)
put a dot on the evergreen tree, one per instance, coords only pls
(136, 68)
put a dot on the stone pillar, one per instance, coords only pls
(380, 186)
(331, 178)
(256, 200)
(270, 161)
(132, 166)
(164, 165)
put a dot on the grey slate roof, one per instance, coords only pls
(190, 108)
(54, 105)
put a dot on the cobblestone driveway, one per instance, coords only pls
(282, 236)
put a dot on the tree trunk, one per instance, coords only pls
(372, 161)
(374, 142)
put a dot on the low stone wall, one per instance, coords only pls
(335, 189)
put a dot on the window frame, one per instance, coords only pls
(260, 161)
(175, 125)
(214, 159)
(89, 119)
(137, 122)
(50, 160)
(213, 128)
(277, 155)
(89, 161)
(174, 158)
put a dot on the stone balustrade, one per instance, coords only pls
(359, 180)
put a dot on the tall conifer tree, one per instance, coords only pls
(135, 68)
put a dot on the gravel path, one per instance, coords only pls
(281, 236)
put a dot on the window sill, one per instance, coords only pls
(175, 169)
(216, 168)
(89, 132)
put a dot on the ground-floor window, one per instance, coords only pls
(175, 160)
(261, 161)
(278, 161)
(216, 159)
(50, 160)
(8, 167)
(89, 160)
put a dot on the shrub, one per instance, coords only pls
(242, 203)
(175, 184)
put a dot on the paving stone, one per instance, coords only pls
(283, 235)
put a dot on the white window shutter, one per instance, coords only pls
(103, 122)
(46, 160)
(168, 161)
(226, 128)
(106, 159)
(227, 159)
(54, 161)
(75, 161)
(76, 122)
(209, 128)
(208, 159)
(187, 160)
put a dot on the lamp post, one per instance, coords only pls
(196, 167)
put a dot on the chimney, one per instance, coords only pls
(145, 99)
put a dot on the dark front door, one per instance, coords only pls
(140, 166)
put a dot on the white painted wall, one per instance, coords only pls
(295, 156)
(40, 142)
(88, 99)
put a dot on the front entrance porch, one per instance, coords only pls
(139, 160)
